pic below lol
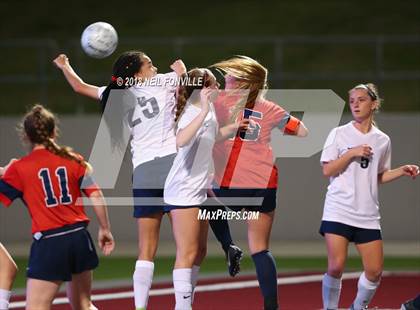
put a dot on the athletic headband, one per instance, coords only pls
(371, 93)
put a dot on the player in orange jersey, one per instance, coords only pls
(244, 165)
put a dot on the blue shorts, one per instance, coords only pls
(269, 196)
(148, 184)
(61, 252)
(351, 233)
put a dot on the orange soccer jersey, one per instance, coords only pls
(49, 185)
(246, 161)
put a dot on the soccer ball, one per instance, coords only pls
(99, 40)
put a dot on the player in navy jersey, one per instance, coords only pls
(50, 181)
(357, 158)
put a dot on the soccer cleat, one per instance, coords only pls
(233, 256)
(409, 305)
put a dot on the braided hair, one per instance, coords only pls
(39, 126)
(185, 91)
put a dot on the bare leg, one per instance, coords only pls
(40, 294)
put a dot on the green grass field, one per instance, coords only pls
(121, 268)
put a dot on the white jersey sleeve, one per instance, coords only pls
(101, 91)
(330, 151)
(385, 162)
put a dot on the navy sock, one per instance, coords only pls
(221, 229)
(267, 278)
(416, 302)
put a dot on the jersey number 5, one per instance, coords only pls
(50, 199)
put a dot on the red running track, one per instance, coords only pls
(394, 290)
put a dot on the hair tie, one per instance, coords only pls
(113, 78)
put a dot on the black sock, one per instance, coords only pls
(267, 278)
(221, 229)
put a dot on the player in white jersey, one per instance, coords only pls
(356, 157)
(152, 145)
(187, 182)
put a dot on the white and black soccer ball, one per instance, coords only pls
(99, 40)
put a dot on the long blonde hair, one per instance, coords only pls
(249, 74)
(373, 93)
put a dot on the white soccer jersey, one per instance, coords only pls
(186, 184)
(352, 196)
(152, 122)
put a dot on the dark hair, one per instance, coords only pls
(39, 126)
(126, 66)
(185, 90)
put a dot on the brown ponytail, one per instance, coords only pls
(39, 126)
(185, 90)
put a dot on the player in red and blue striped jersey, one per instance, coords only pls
(49, 181)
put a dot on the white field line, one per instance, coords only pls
(205, 288)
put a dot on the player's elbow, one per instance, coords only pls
(79, 88)
(302, 131)
(327, 171)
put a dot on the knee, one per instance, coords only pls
(186, 257)
(336, 268)
(10, 271)
(374, 274)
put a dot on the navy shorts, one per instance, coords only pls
(351, 233)
(148, 184)
(268, 204)
(61, 252)
(169, 208)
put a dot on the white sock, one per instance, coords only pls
(183, 288)
(365, 291)
(142, 281)
(194, 278)
(331, 288)
(4, 299)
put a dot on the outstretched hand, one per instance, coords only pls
(411, 171)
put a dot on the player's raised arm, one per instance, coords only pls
(78, 85)
(179, 67)
(187, 133)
